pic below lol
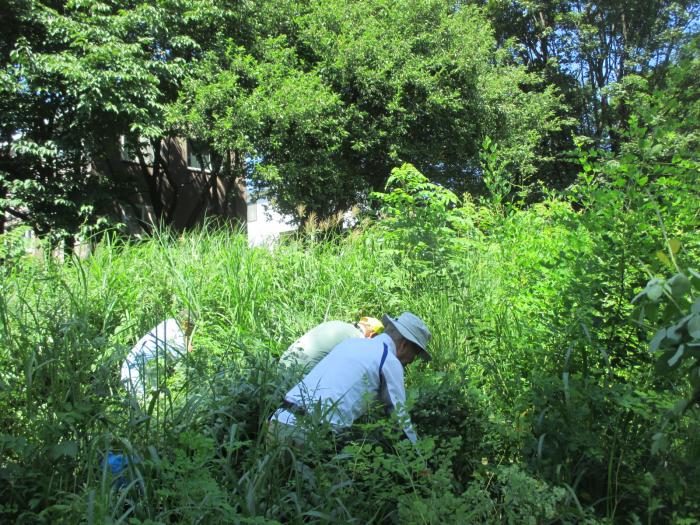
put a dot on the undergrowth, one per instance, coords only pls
(541, 404)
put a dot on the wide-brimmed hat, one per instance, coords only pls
(412, 328)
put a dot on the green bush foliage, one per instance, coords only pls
(542, 404)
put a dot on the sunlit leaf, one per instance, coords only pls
(661, 256)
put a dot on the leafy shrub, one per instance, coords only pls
(505, 494)
(539, 385)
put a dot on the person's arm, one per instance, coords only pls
(393, 395)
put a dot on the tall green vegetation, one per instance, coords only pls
(587, 48)
(543, 401)
(315, 101)
(592, 50)
(76, 76)
(336, 94)
(565, 385)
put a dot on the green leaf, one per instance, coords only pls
(654, 289)
(659, 443)
(680, 407)
(679, 285)
(673, 334)
(695, 275)
(657, 340)
(681, 324)
(661, 366)
(676, 357)
(694, 326)
(639, 296)
(695, 378)
(64, 449)
(696, 306)
(651, 312)
(661, 256)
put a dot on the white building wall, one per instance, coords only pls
(265, 224)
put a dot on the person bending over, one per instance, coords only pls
(155, 353)
(354, 371)
(307, 351)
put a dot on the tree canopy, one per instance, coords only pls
(315, 102)
(77, 76)
(329, 102)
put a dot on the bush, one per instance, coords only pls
(541, 402)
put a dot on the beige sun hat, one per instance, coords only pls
(412, 328)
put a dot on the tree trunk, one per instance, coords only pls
(153, 182)
(3, 195)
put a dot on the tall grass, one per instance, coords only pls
(197, 447)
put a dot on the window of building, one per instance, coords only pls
(198, 154)
(129, 148)
(252, 212)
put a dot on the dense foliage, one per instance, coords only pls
(589, 50)
(543, 402)
(76, 77)
(343, 91)
(566, 380)
(314, 101)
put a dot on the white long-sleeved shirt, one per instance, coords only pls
(307, 351)
(165, 341)
(342, 380)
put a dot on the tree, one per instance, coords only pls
(587, 46)
(334, 94)
(78, 75)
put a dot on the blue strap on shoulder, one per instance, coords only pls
(381, 364)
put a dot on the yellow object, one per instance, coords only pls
(371, 326)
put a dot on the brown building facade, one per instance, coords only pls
(181, 187)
